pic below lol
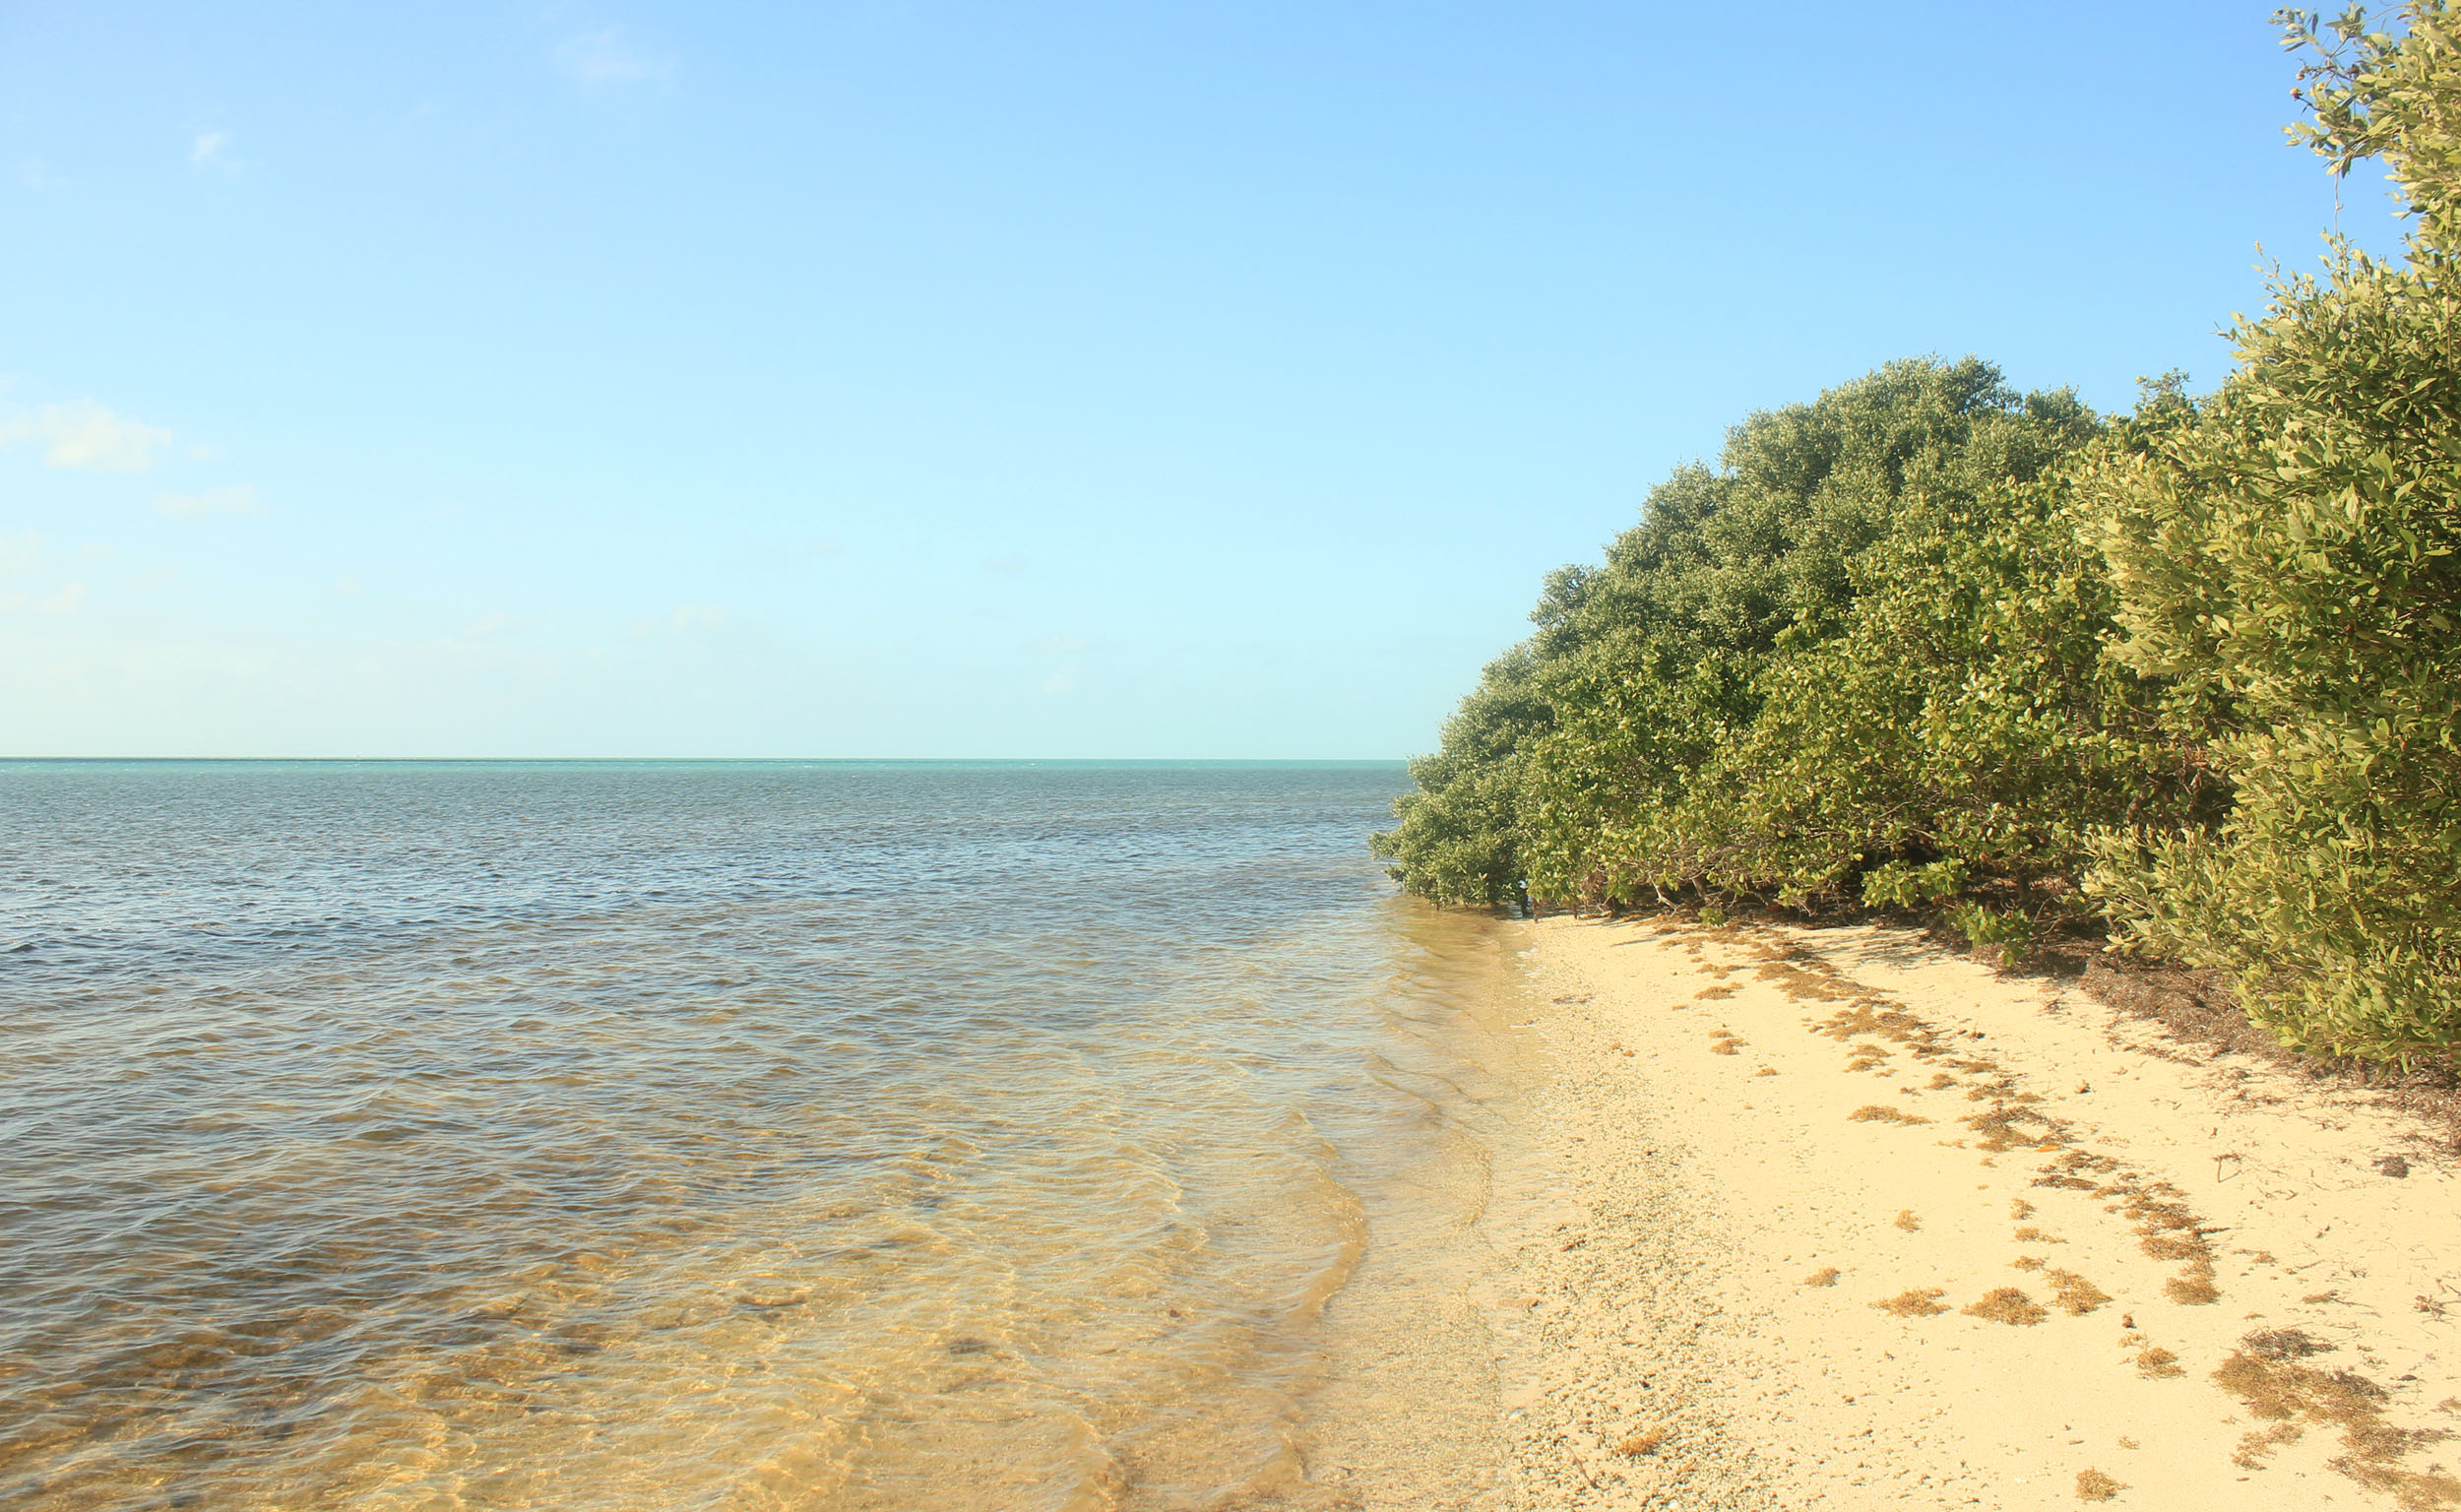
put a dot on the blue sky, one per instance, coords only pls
(965, 380)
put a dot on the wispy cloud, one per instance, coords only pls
(23, 555)
(496, 622)
(84, 436)
(20, 551)
(690, 619)
(210, 149)
(237, 499)
(609, 57)
(66, 602)
(1064, 678)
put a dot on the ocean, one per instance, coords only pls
(634, 1136)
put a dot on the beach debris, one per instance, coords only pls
(2073, 1293)
(2007, 1305)
(2265, 1373)
(1826, 1276)
(2276, 1344)
(1914, 1302)
(2254, 1446)
(2195, 1289)
(1880, 1112)
(2094, 1486)
(2393, 1166)
(1640, 1445)
(2157, 1364)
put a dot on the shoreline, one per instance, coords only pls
(1838, 1217)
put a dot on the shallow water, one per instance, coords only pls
(728, 1136)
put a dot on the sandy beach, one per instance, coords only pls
(1837, 1218)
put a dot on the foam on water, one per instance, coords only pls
(760, 1136)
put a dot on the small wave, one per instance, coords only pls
(921, 1138)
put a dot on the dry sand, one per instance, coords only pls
(1835, 1219)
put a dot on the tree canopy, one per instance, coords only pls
(2191, 673)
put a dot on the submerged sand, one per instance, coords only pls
(1837, 1219)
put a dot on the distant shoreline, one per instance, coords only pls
(1092, 763)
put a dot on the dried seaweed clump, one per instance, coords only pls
(2158, 1364)
(1880, 1112)
(2094, 1486)
(2073, 1293)
(2007, 1305)
(1998, 1127)
(1826, 1276)
(1805, 978)
(2168, 1230)
(2254, 1446)
(2265, 1373)
(1642, 1443)
(2193, 1290)
(1915, 1302)
(1874, 1017)
(2277, 1345)
(2078, 1170)
(1906, 1220)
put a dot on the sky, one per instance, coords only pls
(954, 380)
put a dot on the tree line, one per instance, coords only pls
(2188, 674)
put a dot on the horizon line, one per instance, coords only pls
(1153, 761)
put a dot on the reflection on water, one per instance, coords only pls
(708, 1136)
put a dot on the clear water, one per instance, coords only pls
(722, 1136)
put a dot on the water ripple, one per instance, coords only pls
(465, 1136)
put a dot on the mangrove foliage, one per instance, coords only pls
(2189, 674)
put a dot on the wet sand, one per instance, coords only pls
(1836, 1219)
